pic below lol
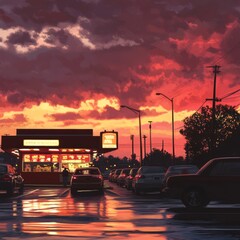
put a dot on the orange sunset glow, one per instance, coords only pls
(72, 65)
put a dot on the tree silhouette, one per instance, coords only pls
(198, 130)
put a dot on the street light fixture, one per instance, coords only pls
(140, 127)
(173, 145)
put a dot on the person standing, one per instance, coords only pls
(65, 174)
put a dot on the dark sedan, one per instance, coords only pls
(87, 179)
(218, 180)
(10, 180)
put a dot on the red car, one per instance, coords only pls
(217, 180)
(87, 179)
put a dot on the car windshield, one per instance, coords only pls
(87, 172)
(3, 169)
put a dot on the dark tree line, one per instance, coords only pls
(201, 144)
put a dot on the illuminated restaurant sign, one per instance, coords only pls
(83, 158)
(109, 139)
(40, 142)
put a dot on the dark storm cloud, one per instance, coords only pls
(15, 98)
(4, 17)
(211, 16)
(109, 113)
(54, 36)
(122, 37)
(68, 116)
(17, 118)
(21, 38)
(230, 45)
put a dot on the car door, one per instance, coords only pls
(215, 183)
(232, 173)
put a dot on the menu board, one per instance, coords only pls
(84, 158)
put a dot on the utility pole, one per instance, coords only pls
(214, 99)
(150, 137)
(144, 139)
(132, 139)
(140, 128)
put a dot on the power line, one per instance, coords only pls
(201, 106)
(230, 94)
(193, 114)
(232, 98)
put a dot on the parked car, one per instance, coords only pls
(177, 170)
(121, 178)
(129, 178)
(10, 180)
(218, 180)
(148, 179)
(115, 175)
(87, 179)
(110, 176)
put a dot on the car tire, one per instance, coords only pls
(194, 198)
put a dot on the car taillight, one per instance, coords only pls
(74, 178)
(139, 176)
(7, 178)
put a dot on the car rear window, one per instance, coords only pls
(87, 172)
(156, 169)
(3, 169)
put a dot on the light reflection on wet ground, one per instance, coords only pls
(94, 216)
(88, 215)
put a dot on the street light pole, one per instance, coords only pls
(144, 139)
(132, 139)
(150, 133)
(173, 144)
(140, 128)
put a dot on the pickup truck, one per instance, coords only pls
(217, 180)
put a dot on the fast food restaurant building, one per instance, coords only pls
(43, 153)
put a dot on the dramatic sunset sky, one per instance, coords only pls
(72, 63)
